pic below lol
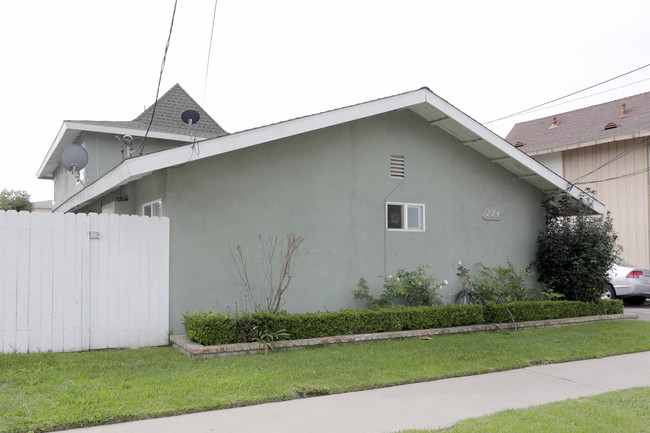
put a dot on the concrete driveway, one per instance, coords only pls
(643, 310)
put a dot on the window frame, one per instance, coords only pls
(405, 225)
(151, 204)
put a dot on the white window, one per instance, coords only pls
(405, 216)
(152, 209)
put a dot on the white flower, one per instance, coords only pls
(460, 263)
(390, 277)
(444, 283)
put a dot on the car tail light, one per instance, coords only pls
(634, 274)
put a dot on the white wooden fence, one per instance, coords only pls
(77, 282)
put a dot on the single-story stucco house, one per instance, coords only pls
(387, 184)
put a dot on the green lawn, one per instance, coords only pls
(626, 411)
(54, 391)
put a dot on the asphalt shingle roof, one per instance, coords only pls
(583, 125)
(167, 117)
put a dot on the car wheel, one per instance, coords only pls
(634, 300)
(610, 293)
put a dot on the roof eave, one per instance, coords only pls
(610, 139)
(423, 102)
(70, 130)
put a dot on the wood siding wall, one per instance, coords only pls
(77, 282)
(625, 197)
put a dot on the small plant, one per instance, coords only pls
(268, 338)
(500, 284)
(281, 259)
(465, 295)
(412, 288)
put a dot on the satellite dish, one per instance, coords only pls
(74, 156)
(73, 159)
(190, 117)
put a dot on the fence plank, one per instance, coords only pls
(22, 283)
(84, 239)
(62, 291)
(11, 267)
(47, 257)
(3, 302)
(34, 287)
(58, 282)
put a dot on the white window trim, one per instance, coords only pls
(151, 203)
(405, 207)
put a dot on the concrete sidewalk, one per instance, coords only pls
(431, 405)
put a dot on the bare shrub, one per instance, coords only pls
(266, 279)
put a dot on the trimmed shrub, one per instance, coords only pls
(529, 311)
(217, 328)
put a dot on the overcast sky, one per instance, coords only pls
(277, 60)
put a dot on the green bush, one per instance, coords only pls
(499, 284)
(529, 311)
(217, 328)
(412, 288)
(577, 249)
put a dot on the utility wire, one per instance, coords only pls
(615, 158)
(588, 96)
(207, 66)
(566, 96)
(623, 176)
(162, 68)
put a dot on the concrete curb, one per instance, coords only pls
(196, 350)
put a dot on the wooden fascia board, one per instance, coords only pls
(508, 149)
(596, 142)
(140, 166)
(48, 165)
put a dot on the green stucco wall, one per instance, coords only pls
(331, 186)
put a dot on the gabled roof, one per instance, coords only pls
(433, 109)
(167, 124)
(584, 127)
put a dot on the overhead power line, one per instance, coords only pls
(567, 96)
(207, 66)
(162, 68)
(615, 158)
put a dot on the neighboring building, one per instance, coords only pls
(396, 182)
(603, 147)
(42, 206)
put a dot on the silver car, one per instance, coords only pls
(629, 283)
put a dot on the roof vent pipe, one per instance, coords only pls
(623, 111)
(554, 125)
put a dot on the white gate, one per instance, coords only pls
(71, 282)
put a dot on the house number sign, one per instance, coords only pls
(491, 214)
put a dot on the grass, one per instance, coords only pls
(626, 411)
(55, 391)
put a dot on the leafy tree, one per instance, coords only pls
(15, 200)
(577, 250)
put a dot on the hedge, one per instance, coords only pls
(527, 311)
(217, 328)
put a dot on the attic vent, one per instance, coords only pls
(520, 144)
(611, 125)
(397, 167)
(623, 111)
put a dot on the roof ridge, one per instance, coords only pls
(590, 107)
